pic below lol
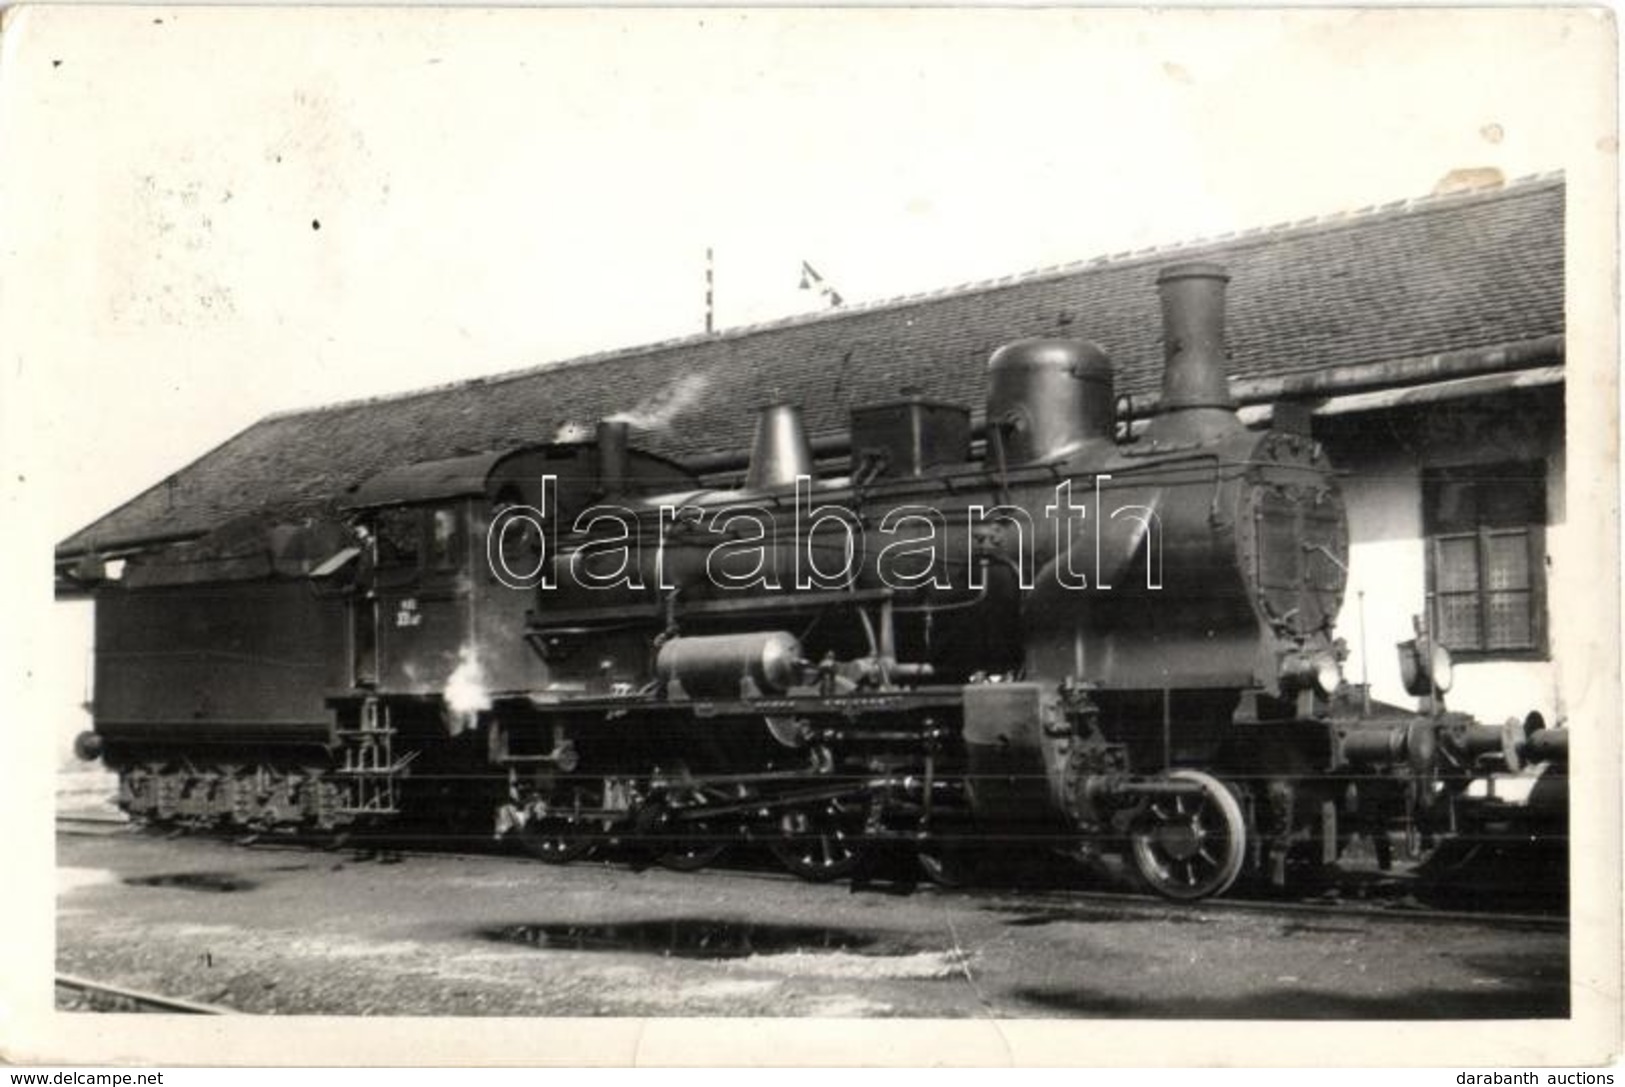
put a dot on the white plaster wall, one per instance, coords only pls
(1386, 573)
(1571, 589)
(1383, 491)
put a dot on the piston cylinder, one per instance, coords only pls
(731, 665)
(1412, 744)
(1374, 746)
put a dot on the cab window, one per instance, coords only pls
(443, 551)
(519, 537)
(399, 541)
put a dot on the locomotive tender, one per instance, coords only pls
(1087, 637)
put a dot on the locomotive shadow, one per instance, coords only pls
(1507, 875)
(1536, 999)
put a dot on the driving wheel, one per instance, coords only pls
(557, 834)
(1190, 845)
(816, 847)
(697, 842)
(699, 849)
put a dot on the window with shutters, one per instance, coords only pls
(1486, 530)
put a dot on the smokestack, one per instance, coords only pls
(780, 451)
(613, 435)
(1194, 354)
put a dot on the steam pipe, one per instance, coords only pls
(613, 469)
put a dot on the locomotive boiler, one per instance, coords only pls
(1056, 628)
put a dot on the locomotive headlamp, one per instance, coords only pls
(1443, 668)
(1320, 671)
(1424, 665)
(1328, 674)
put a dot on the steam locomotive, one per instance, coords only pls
(1072, 631)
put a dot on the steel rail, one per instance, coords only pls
(1151, 905)
(144, 1000)
(91, 826)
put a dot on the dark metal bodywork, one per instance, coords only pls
(241, 662)
(439, 605)
(226, 641)
(908, 438)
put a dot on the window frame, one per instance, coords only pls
(453, 556)
(395, 525)
(1534, 534)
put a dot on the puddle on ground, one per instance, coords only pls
(700, 938)
(218, 882)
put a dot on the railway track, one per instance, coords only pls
(102, 996)
(1035, 901)
(1149, 906)
(94, 825)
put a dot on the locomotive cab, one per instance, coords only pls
(422, 607)
(440, 616)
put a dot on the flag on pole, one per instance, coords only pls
(811, 280)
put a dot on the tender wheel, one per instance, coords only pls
(816, 849)
(1190, 847)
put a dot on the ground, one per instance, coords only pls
(300, 931)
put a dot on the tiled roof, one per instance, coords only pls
(1414, 278)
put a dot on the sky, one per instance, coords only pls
(211, 214)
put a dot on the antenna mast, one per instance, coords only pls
(710, 306)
